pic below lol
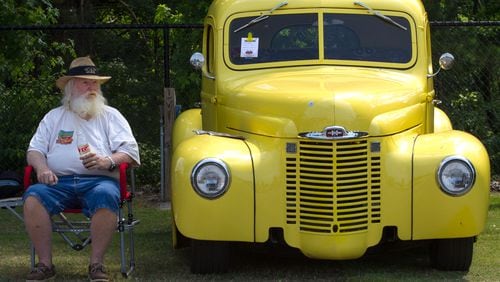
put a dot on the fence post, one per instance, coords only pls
(162, 153)
(167, 118)
(169, 102)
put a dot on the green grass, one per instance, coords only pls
(156, 260)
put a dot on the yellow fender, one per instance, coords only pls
(440, 215)
(229, 217)
(441, 121)
(184, 126)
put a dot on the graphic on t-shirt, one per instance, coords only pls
(65, 137)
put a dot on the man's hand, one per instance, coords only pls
(93, 161)
(47, 177)
(43, 173)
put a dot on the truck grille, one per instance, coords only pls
(333, 186)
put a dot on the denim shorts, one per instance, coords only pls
(86, 192)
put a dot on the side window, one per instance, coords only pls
(428, 47)
(210, 49)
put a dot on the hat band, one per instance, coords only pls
(82, 70)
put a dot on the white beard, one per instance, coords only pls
(87, 107)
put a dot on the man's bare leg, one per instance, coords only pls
(39, 228)
(103, 226)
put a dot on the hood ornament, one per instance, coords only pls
(333, 133)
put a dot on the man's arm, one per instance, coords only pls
(43, 173)
(94, 161)
(120, 157)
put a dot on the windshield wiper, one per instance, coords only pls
(378, 14)
(262, 17)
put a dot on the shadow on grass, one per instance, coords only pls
(264, 263)
(278, 264)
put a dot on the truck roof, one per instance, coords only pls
(220, 10)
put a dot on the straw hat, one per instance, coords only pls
(81, 67)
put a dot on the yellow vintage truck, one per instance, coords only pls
(318, 129)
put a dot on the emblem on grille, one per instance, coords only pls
(333, 132)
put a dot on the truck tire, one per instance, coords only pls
(209, 257)
(452, 254)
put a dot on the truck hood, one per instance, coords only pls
(285, 104)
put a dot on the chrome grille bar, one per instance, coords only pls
(333, 186)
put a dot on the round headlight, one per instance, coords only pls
(210, 178)
(456, 175)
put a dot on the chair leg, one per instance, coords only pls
(127, 268)
(131, 225)
(126, 226)
(77, 229)
(32, 256)
(132, 248)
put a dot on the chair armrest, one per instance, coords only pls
(28, 170)
(124, 193)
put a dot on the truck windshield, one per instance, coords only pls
(278, 38)
(295, 37)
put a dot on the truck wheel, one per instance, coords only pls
(452, 254)
(209, 257)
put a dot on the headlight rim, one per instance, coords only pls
(467, 163)
(225, 169)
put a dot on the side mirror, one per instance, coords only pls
(197, 60)
(445, 63)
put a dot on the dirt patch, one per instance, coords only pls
(149, 199)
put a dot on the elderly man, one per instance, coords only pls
(74, 152)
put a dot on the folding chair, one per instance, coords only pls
(10, 189)
(10, 204)
(76, 232)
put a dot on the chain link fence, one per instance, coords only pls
(470, 91)
(144, 59)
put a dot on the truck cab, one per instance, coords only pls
(318, 129)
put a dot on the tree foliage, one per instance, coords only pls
(470, 91)
(28, 64)
(30, 61)
(462, 10)
(135, 60)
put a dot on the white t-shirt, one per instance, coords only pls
(107, 133)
